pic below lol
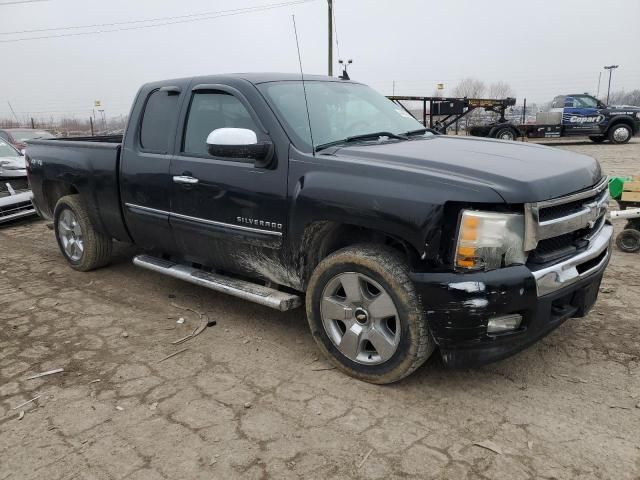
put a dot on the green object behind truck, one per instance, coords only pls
(616, 186)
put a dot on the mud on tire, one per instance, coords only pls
(388, 269)
(97, 246)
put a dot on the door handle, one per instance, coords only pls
(185, 179)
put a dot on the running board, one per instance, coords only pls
(238, 288)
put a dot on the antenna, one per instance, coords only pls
(304, 89)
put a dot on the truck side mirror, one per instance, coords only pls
(241, 144)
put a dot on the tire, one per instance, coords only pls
(620, 133)
(628, 240)
(385, 332)
(505, 133)
(597, 139)
(82, 246)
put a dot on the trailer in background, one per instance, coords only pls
(446, 112)
(626, 191)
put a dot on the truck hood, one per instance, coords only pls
(518, 172)
(12, 167)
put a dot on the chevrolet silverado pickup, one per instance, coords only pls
(322, 192)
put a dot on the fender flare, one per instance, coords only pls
(626, 119)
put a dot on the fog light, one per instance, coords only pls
(504, 324)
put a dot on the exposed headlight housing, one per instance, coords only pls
(489, 240)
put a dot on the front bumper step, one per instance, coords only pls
(253, 292)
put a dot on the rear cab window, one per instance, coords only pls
(159, 121)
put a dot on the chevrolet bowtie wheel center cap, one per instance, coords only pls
(362, 317)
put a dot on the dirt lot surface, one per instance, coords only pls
(250, 397)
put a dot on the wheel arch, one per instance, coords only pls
(623, 120)
(322, 238)
(54, 190)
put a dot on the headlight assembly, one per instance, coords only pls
(489, 240)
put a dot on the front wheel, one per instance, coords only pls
(82, 245)
(620, 133)
(365, 316)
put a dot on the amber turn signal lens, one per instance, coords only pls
(466, 251)
(467, 263)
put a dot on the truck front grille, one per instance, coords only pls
(564, 209)
(19, 185)
(561, 227)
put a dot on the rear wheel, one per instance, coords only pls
(628, 240)
(597, 139)
(505, 133)
(83, 247)
(365, 315)
(620, 133)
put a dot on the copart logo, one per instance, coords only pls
(589, 119)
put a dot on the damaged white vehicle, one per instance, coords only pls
(15, 195)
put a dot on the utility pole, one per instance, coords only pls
(610, 68)
(330, 18)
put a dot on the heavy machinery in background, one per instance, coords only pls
(575, 115)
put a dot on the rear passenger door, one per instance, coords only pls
(235, 214)
(145, 181)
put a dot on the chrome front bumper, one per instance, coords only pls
(16, 206)
(588, 262)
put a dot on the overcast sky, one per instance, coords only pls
(541, 48)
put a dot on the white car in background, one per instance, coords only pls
(15, 195)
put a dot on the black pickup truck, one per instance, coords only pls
(399, 241)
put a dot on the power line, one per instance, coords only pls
(335, 30)
(175, 20)
(18, 2)
(148, 20)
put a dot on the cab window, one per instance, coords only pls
(584, 101)
(158, 121)
(209, 111)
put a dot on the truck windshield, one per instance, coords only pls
(26, 135)
(338, 110)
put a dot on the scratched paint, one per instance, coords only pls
(476, 302)
(470, 287)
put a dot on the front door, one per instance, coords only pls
(226, 213)
(581, 115)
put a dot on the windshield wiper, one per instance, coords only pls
(364, 136)
(420, 131)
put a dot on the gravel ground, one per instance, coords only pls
(250, 397)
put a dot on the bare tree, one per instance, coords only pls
(621, 97)
(500, 90)
(470, 88)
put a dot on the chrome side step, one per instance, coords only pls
(238, 288)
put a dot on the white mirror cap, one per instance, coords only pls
(232, 136)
